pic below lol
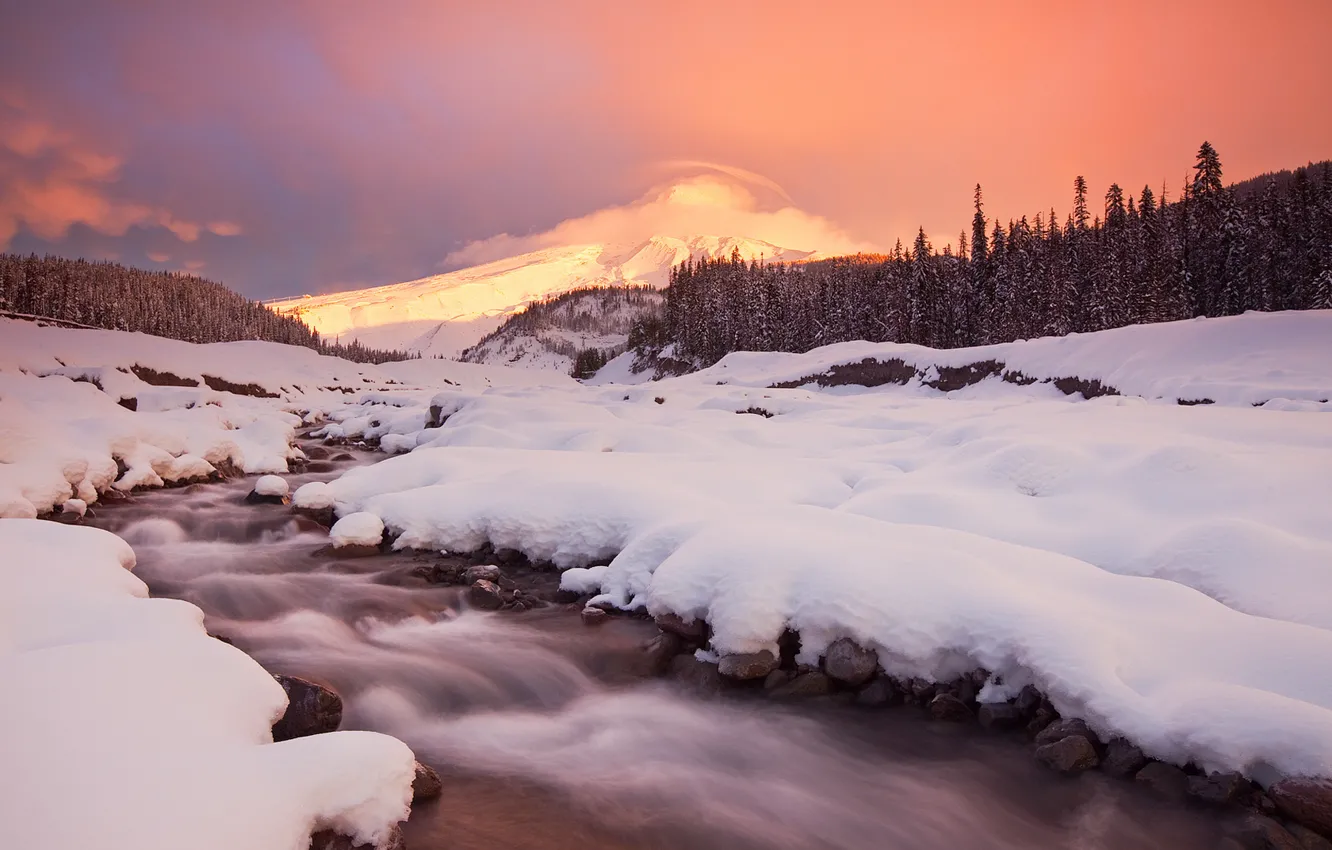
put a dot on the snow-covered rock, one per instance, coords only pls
(125, 725)
(271, 485)
(361, 530)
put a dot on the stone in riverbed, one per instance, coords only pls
(811, 683)
(850, 663)
(595, 616)
(949, 708)
(426, 784)
(1308, 839)
(1257, 832)
(702, 677)
(1061, 729)
(482, 572)
(1122, 759)
(269, 490)
(485, 595)
(327, 839)
(999, 716)
(1028, 700)
(1306, 799)
(1165, 779)
(693, 630)
(747, 665)
(312, 709)
(660, 650)
(880, 691)
(1069, 755)
(1218, 789)
(316, 452)
(1041, 720)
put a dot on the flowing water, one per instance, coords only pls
(548, 733)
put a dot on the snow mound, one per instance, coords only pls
(358, 529)
(124, 725)
(271, 485)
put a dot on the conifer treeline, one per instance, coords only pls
(1216, 251)
(185, 307)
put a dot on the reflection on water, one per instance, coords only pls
(548, 735)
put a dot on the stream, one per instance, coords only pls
(548, 734)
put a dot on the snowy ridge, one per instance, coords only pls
(1157, 569)
(157, 734)
(444, 314)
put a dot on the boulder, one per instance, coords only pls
(312, 709)
(327, 839)
(748, 665)
(1164, 779)
(702, 677)
(269, 489)
(949, 708)
(485, 595)
(811, 683)
(1070, 755)
(776, 679)
(693, 630)
(1305, 799)
(481, 572)
(1308, 839)
(879, 691)
(1258, 832)
(426, 784)
(1122, 759)
(595, 616)
(324, 516)
(660, 650)
(1041, 720)
(1065, 728)
(1218, 789)
(315, 452)
(1000, 716)
(1028, 700)
(850, 663)
(921, 691)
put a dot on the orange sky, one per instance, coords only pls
(336, 143)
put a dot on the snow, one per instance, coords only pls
(444, 314)
(1160, 570)
(313, 496)
(271, 485)
(358, 529)
(124, 725)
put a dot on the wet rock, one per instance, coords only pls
(702, 677)
(1306, 799)
(1064, 728)
(320, 466)
(1028, 700)
(341, 457)
(1164, 779)
(880, 691)
(1308, 839)
(921, 691)
(315, 452)
(1000, 716)
(327, 839)
(694, 630)
(1258, 832)
(257, 498)
(1041, 720)
(748, 665)
(485, 595)
(1218, 789)
(594, 616)
(312, 709)
(1122, 759)
(776, 679)
(660, 650)
(811, 683)
(482, 572)
(949, 708)
(426, 784)
(324, 516)
(850, 663)
(1069, 755)
(355, 550)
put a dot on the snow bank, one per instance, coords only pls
(124, 725)
(1237, 360)
(1161, 570)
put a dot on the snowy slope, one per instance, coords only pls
(443, 314)
(1158, 569)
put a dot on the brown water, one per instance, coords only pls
(548, 735)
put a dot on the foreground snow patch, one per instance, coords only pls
(123, 725)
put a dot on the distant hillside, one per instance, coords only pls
(165, 304)
(574, 332)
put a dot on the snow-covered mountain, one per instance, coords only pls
(444, 314)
